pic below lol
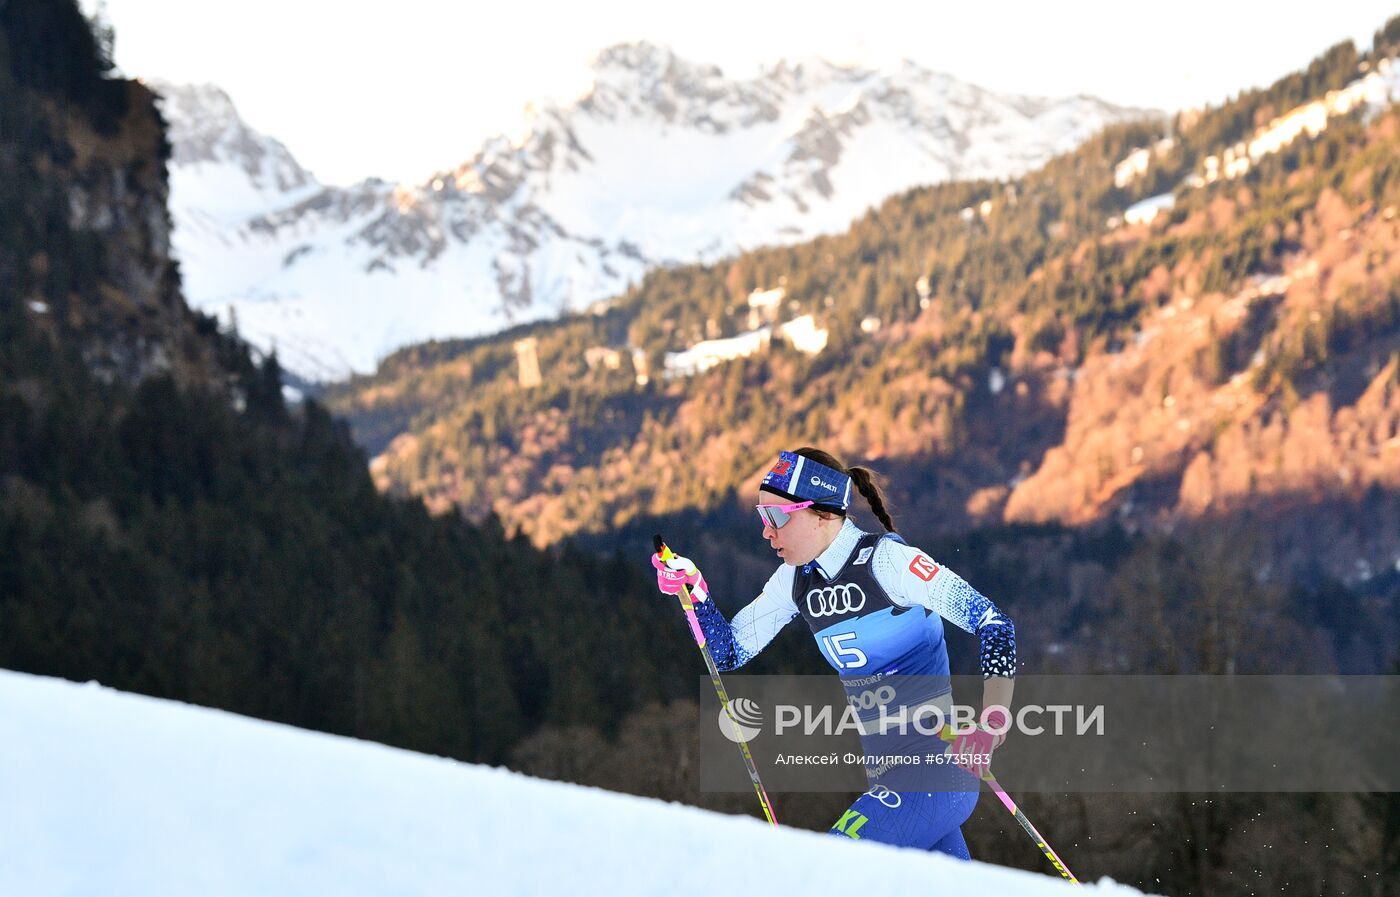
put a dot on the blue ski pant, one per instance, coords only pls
(928, 820)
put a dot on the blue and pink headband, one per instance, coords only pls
(802, 479)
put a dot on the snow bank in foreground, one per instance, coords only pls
(115, 794)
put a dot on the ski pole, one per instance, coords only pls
(947, 734)
(689, 607)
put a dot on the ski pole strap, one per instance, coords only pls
(686, 603)
(689, 607)
(947, 734)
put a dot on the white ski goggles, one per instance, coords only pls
(777, 516)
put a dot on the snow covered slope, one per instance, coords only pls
(661, 161)
(115, 794)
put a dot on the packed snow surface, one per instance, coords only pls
(116, 794)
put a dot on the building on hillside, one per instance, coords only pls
(528, 358)
(639, 365)
(764, 305)
(602, 357)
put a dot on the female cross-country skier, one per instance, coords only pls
(876, 607)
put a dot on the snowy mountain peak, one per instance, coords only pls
(205, 127)
(644, 82)
(641, 58)
(813, 71)
(661, 161)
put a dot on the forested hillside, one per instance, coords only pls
(1016, 351)
(169, 525)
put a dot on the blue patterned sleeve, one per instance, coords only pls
(921, 581)
(997, 636)
(733, 644)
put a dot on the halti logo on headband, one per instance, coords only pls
(818, 481)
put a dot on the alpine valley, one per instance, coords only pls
(1178, 324)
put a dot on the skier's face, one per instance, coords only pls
(803, 537)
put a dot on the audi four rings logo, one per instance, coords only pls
(833, 601)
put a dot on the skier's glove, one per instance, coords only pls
(677, 572)
(976, 743)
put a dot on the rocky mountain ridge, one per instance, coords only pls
(663, 161)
